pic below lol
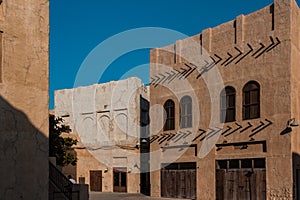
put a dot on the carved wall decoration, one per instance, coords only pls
(245, 55)
(246, 128)
(104, 128)
(209, 66)
(251, 128)
(202, 132)
(211, 133)
(88, 127)
(261, 127)
(233, 57)
(238, 127)
(153, 138)
(121, 124)
(263, 50)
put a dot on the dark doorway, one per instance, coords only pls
(298, 184)
(178, 180)
(241, 179)
(120, 180)
(145, 183)
(96, 180)
(144, 147)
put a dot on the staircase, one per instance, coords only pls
(60, 188)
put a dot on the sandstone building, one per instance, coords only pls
(229, 104)
(109, 120)
(24, 33)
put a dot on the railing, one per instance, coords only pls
(61, 196)
(60, 181)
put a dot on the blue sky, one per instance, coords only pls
(77, 27)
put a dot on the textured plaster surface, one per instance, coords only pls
(105, 119)
(24, 99)
(275, 69)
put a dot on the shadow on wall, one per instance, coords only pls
(23, 156)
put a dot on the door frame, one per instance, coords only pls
(245, 167)
(91, 171)
(119, 188)
(183, 169)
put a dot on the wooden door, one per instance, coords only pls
(235, 184)
(178, 183)
(96, 180)
(120, 180)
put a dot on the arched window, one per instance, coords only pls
(186, 112)
(251, 103)
(228, 104)
(169, 107)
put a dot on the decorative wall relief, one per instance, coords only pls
(199, 135)
(208, 65)
(261, 127)
(103, 126)
(246, 128)
(238, 127)
(88, 128)
(264, 49)
(233, 57)
(211, 133)
(180, 137)
(153, 138)
(121, 124)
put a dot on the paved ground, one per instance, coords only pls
(125, 196)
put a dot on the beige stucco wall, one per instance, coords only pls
(295, 89)
(275, 69)
(24, 99)
(113, 109)
(87, 162)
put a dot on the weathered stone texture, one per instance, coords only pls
(24, 99)
(105, 118)
(261, 46)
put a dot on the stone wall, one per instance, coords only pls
(105, 118)
(253, 47)
(24, 38)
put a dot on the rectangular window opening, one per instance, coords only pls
(175, 53)
(259, 163)
(234, 164)
(246, 163)
(235, 31)
(222, 164)
(272, 13)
